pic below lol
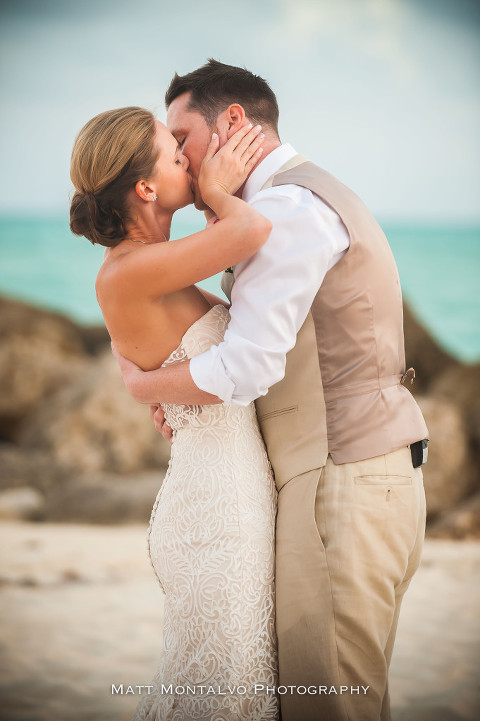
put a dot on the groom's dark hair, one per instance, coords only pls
(215, 86)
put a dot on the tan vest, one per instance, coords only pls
(341, 393)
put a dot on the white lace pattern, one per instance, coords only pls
(211, 544)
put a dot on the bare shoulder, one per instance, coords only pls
(106, 281)
(117, 262)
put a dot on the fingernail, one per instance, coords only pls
(214, 136)
(258, 127)
(262, 135)
(249, 126)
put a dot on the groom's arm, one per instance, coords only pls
(171, 384)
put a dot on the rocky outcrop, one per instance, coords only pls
(104, 499)
(70, 430)
(423, 353)
(461, 522)
(28, 467)
(460, 384)
(449, 475)
(95, 338)
(452, 475)
(39, 352)
(92, 425)
(21, 504)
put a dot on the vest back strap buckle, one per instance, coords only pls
(410, 373)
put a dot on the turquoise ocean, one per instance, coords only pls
(41, 262)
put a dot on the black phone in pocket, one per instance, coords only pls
(419, 451)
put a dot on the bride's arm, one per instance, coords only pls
(162, 268)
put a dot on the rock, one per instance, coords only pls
(462, 523)
(22, 319)
(423, 352)
(92, 425)
(28, 467)
(449, 475)
(95, 338)
(39, 352)
(461, 385)
(105, 499)
(21, 504)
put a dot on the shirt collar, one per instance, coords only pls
(265, 169)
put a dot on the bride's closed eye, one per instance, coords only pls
(178, 153)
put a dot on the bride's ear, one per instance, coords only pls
(145, 191)
(235, 117)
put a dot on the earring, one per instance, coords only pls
(153, 196)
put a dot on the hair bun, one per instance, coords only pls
(95, 218)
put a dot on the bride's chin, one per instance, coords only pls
(186, 203)
(187, 199)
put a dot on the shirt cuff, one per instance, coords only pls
(208, 373)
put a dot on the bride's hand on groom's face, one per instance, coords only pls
(227, 168)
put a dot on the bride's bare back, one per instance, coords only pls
(145, 329)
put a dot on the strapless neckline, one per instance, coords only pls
(219, 310)
(216, 308)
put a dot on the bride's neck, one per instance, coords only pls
(150, 225)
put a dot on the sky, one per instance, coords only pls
(385, 94)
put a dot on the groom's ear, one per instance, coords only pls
(235, 118)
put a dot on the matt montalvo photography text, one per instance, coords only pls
(122, 689)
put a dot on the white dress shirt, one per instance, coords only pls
(274, 289)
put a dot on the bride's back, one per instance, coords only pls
(143, 329)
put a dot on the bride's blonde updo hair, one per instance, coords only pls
(112, 152)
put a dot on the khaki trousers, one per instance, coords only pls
(349, 539)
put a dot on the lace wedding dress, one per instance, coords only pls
(211, 544)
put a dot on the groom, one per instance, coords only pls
(316, 337)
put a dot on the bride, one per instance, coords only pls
(211, 532)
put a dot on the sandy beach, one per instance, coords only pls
(81, 610)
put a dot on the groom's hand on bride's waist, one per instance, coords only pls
(158, 417)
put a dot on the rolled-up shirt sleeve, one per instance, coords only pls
(272, 294)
